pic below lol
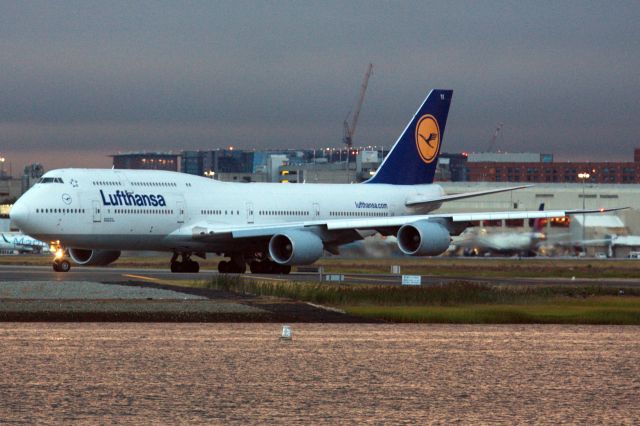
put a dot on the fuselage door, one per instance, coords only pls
(97, 214)
(249, 212)
(316, 209)
(180, 211)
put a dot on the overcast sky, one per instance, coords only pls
(81, 80)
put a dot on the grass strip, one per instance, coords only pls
(551, 313)
(449, 294)
(457, 302)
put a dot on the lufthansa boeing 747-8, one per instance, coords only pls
(93, 214)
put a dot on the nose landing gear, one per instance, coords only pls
(60, 264)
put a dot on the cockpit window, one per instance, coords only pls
(50, 180)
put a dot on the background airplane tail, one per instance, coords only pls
(538, 224)
(414, 157)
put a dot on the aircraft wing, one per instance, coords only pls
(574, 243)
(455, 222)
(416, 200)
(459, 221)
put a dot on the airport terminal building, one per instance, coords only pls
(559, 185)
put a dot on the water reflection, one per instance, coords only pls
(141, 373)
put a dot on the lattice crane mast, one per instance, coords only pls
(350, 128)
(494, 138)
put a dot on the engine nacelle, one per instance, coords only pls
(93, 257)
(423, 238)
(295, 247)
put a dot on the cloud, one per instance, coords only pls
(163, 75)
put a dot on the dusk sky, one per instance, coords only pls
(82, 80)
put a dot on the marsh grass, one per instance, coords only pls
(450, 294)
(490, 267)
(457, 302)
(553, 312)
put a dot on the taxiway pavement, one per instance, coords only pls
(140, 275)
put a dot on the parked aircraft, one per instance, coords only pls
(93, 214)
(481, 241)
(17, 241)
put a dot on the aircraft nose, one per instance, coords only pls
(19, 214)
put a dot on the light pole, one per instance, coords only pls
(583, 177)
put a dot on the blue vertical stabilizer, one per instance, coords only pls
(414, 157)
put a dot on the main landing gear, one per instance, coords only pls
(186, 265)
(238, 265)
(267, 266)
(60, 264)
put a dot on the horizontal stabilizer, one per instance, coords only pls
(412, 201)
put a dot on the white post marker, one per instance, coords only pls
(411, 280)
(286, 333)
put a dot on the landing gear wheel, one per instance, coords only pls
(269, 267)
(65, 266)
(192, 266)
(283, 269)
(186, 265)
(61, 266)
(223, 267)
(230, 267)
(258, 267)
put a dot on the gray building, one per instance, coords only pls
(146, 161)
(10, 189)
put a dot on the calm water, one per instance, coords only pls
(214, 373)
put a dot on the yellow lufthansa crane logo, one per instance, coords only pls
(427, 138)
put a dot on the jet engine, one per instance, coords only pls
(93, 257)
(423, 238)
(295, 247)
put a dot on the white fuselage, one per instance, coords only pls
(145, 210)
(502, 242)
